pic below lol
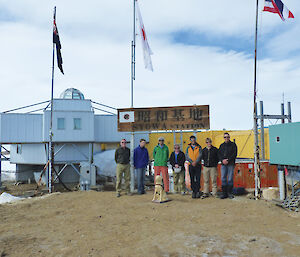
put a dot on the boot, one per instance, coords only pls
(194, 195)
(230, 195)
(224, 192)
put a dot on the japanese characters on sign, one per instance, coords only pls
(164, 118)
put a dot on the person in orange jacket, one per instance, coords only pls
(193, 156)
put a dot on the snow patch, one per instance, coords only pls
(8, 198)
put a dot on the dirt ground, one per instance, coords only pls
(99, 224)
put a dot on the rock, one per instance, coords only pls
(270, 193)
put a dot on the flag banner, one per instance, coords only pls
(277, 6)
(56, 41)
(146, 48)
(125, 117)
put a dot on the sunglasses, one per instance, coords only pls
(123, 142)
(161, 140)
(226, 137)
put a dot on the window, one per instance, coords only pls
(77, 123)
(60, 123)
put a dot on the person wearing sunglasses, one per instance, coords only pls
(122, 158)
(193, 155)
(210, 159)
(177, 160)
(227, 155)
(161, 157)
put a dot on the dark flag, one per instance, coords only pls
(56, 41)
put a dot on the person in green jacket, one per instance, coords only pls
(161, 157)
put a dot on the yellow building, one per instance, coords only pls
(243, 138)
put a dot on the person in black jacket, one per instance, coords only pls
(227, 156)
(177, 160)
(122, 158)
(210, 158)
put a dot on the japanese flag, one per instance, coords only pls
(146, 48)
(126, 117)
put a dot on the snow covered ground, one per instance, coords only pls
(8, 198)
(8, 175)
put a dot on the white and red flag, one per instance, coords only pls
(277, 6)
(146, 48)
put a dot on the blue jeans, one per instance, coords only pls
(141, 179)
(227, 172)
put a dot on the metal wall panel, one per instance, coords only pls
(21, 128)
(36, 154)
(28, 154)
(285, 144)
(72, 105)
(106, 130)
(69, 134)
(71, 152)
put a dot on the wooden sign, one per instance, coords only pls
(164, 118)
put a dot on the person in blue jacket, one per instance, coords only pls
(141, 159)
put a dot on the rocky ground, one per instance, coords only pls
(99, 224)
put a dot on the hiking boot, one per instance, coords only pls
(118, 194)
(182, 193)
(224, 192)
(230, 194)
(204, 196)
(198, 195)
(193, 195)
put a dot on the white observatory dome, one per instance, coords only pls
(72, 93)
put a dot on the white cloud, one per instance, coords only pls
(96, 38)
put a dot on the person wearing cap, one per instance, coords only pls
(210, 158)
(193, 155)
(161, 157)
(177, 160)
(140, 160)
(227, 156)
(122, 158)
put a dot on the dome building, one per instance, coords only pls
(78, 135)
(72, 93)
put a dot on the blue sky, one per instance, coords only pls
(230, 43)
(203, 54)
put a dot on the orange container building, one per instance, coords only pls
(244, 175)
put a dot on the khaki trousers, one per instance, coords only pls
(123, 169)
(210, 172)
(179, 185)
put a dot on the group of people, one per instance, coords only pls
(193, 157)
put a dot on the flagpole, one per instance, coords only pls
(133, 43)
(50, 150)
(255, 128)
